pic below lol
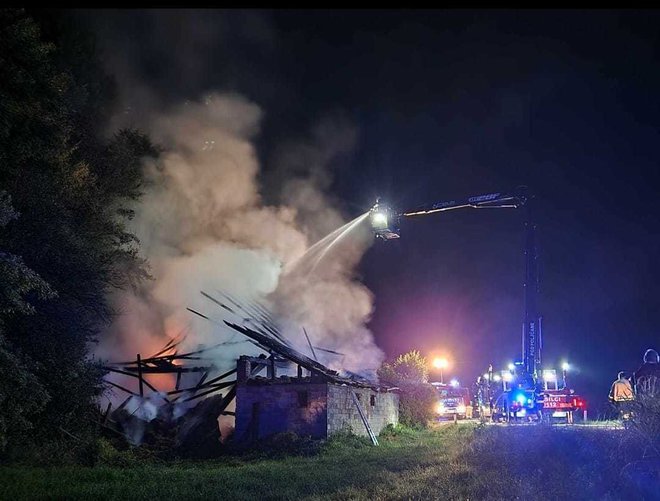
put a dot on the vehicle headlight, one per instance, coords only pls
(460, 409)
(440, 409)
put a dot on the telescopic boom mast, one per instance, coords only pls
(385, 223)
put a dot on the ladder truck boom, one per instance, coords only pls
(525, 388)
(385, 223)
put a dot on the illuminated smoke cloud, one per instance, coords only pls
(203, 226)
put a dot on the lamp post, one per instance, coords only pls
(441, 364)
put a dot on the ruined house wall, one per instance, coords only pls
(266, 409)
(310, 409)
(380, 408)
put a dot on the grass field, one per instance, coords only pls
(448, 462)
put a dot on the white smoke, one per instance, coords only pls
(203, 225)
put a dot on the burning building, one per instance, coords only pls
(318, 404)
(315, 402)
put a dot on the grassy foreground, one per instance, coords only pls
(450, 462)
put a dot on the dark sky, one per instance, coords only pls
(451, 104)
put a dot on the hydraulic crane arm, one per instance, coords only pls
(500, 200)
(385, 223)
(385, 219)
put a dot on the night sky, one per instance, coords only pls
(451, 104)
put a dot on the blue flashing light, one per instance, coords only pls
(520, 398)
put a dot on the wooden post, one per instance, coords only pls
(107, 413)
(270, 368)
(139, 366)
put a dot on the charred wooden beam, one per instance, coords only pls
(209, 297)
(231, 394)
(201, 380)
(221, 376)
(123, 404)
(310, 345)
(198, 313)
(130, 392)
(167, 369)
(139, 370)
(208, 392)
(107, 413)
(171, 344)
(210, 387)
(118, 371)
(285, 351)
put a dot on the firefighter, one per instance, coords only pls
(621, 394)
(647, 377)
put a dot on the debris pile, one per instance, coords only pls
(185, 418)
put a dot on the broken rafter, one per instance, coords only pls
(213, 390)
(231, 394)
(221, 376)
(169, 370)
(310, 345)
(170, 358)
(224, 306)
(132, 393)
(253, 313)
(111, 369)
(201, 380)
(330, 351)
(123, 388)
(291, 354)
(198, 313)
(266, 324)
(172, 344)
(212, 387)
(286, 352)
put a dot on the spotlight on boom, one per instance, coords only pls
(384, 221)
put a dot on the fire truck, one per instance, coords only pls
(525, 391)
(453, 401)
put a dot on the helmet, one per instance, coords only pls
(651, 357)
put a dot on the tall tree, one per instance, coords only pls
(73, 192)
(16, 282)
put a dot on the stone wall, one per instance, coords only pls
(380, 408)
(265, 409)
(309, 409)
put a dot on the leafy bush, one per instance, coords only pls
(409, 372)
(644, 426)
(416, 404)
(399, 431)
(109, 455)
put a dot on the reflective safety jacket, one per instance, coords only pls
(621, 391)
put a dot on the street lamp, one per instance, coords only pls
(440, 363)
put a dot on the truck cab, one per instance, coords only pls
(452, 402)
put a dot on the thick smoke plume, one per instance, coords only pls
(203, 225)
